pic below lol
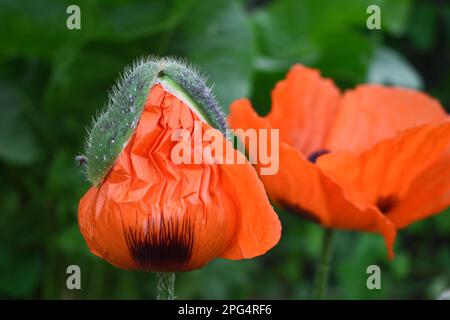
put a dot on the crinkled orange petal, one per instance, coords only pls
(303, 108)
(405, 176)
(152, 214)
(258, 228)
(100, 240)
(303, 188)
(370, 113)
(243, 116)
(428, 194)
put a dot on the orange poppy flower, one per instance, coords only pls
(373, 159)
(151, 214)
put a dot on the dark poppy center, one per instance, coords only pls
(386, 203)
(166, 245)
(316, 154)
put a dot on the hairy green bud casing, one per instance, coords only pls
(112, 129)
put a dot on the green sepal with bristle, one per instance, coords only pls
(195, 86)
(113, 128)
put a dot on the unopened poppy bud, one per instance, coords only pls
(112, 129)
(146, 210)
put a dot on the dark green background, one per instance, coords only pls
(53, 81)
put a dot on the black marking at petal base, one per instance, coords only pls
(299, 211)
(166, 245)
(386, 203)
(316, 154)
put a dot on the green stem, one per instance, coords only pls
(166, 285)
(323, 268)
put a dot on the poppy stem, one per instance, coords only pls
(323, 270)
(166, 285)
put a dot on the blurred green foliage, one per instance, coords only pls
(52, 81)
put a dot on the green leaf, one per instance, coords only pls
(423, 31)
(38, 27)
(82, 84)
(41, 34)
(442, 222)
(222, 50)
(395, 15)
(20, 273)
(345, 64)
(352, 261)
(17, 142)
(131, 19)
(401, 265)
(219, 280)
(445, 14)
(306, 31)
(330, 36)
(264, 82)
(390, 68)
(283, 30)
(70, 241)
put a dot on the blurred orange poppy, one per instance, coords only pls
(373, 159)
(151, 214)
